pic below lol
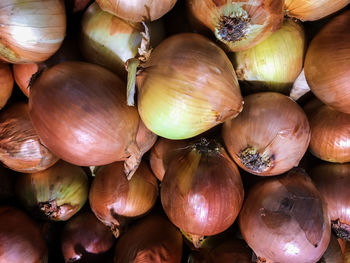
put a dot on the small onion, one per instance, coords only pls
(270, 136)
(31, 31)
(56, 193)
(6, 84)
(152, 239)
(202, 191)
(20, 146)
(239, 24)
(275, 63)
(284, 220)
(310, 10)
(137, 10)
(85, 238)
(20, 238)
(114, 199)
(327, 63)
(187, 87)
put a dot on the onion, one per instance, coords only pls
(327, 63)
(114, 199)
(187, 87)
(7, 184)
(310, 10)
(137, 10)
(152, 239)
(275, 63)
(239, 24)
(20, 238)
(85, 238)
(6, 84)
(24, 38)
(56, 193)
(284, 220)
(270, 136)
(333, 253)
(24, 74)
(202, 191)
(20, 146)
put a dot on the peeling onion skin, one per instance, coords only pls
(151, 239)
(20, 238)
(23, 74)
(251, 22)
(327, 63)
(20, 146)
(270, 136)
(24, 39)
(187, 87)
(284, 219)
(6, 84)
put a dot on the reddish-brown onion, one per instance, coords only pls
(283, 219)
(152, 239)
(327, 64)
(20, 238)
(114, 199)
(6, 84)
(85, 238)
(202, 191)
(20, 146)
(270, 136)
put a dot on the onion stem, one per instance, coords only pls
(132, 65)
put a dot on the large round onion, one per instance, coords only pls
(187, 87)
(6, 84)
(270, 136)
(202, 191)
(284, 220)
(327, 63)
(20, 146)
(20, 238)
(31, 31)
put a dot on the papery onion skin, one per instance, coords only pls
(239, 24)
(25, 39)
(20, 238)
(151, 239)
(20, 146)
(137, 11)
(270, 136)
(187, 87)
(6, 84)
(284, 219)
(275, 63)
(202, 191)
(327, 63)
(311, 10)
(300, 87)
(56, 193)
(83, 236)
(23, 74)
(113, 198)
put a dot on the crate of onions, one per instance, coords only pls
(174, 131)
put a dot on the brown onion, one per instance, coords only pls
(327, 63)
(310, 10)
(85, 238)
(152, 239)
(137, 11)
(114, 199)
(270, 136)
(24, 38)
(57, 193)
(239, 24)
(284, 220)
(20, 146)
(333, 253)
(20, 238)
(202, 191)
(6, 84)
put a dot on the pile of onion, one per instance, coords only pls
(270, 136)
(56, 193)
(6, 84)
(202, 191)
(32, 30)
(20, 146)
(283, 219)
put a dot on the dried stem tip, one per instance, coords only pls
(233, 28)
(253, 160)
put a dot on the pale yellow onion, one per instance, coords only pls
(31, 30)
(239, 24)
(6, 84)
(274, 63)
(310, 10)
